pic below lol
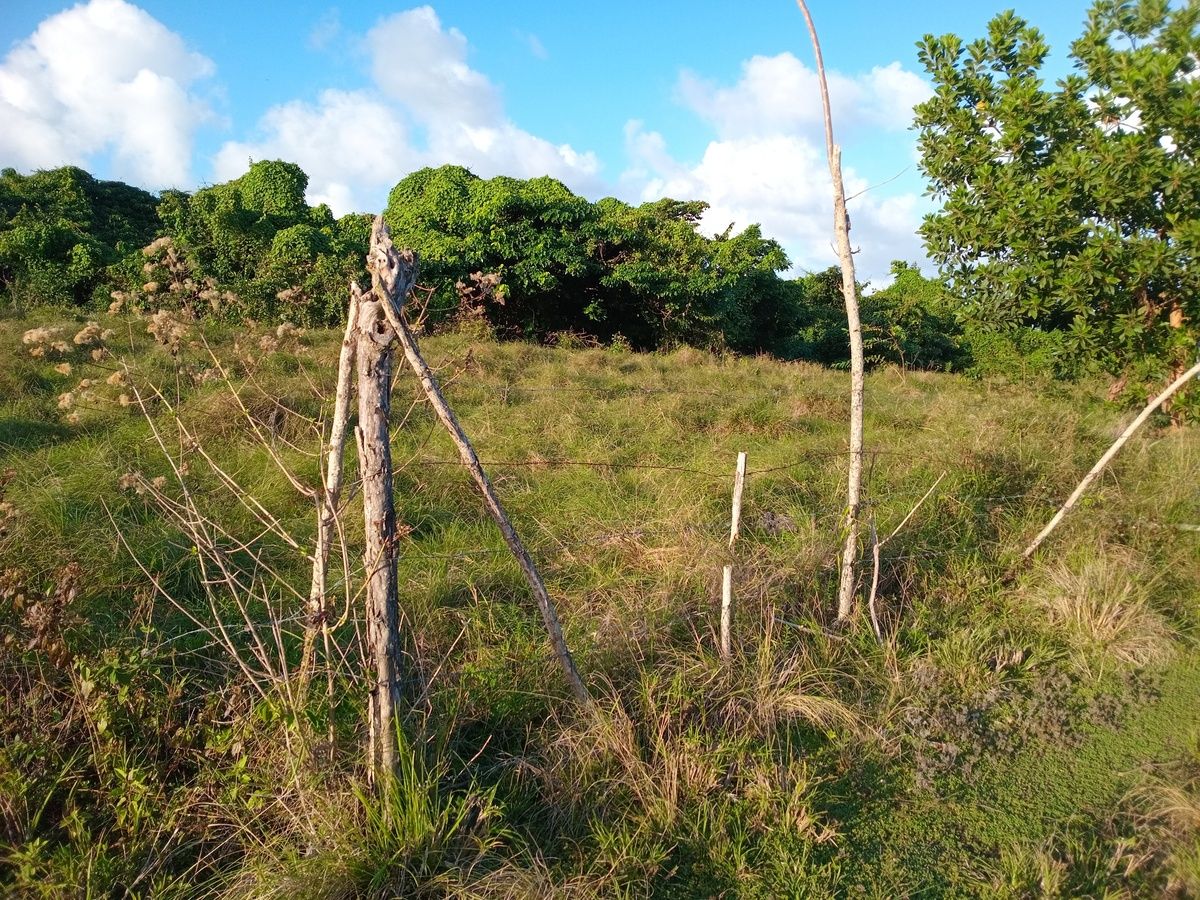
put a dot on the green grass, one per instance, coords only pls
(996, 748)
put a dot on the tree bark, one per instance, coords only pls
(841, 227)
(374, 352)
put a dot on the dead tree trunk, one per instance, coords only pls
(383, 260)
(375, 350)
(841, 227)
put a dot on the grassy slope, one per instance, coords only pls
(631, 551)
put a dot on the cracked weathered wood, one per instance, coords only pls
(374, 364)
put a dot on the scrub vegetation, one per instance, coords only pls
(981, 726)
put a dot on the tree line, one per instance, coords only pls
(528, 258)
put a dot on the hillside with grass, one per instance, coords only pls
(1023, 736)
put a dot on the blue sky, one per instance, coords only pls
(698, 100)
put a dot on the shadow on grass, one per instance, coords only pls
(30, 434)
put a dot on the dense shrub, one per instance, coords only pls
(520, 258)
(910, 323)
(562, 263)
(257, 237)
(60, 229)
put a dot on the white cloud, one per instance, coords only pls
(101, 77)
(781, 182)
(767, 162)
(419, 64)
(781, 95)
(349, 144)
(429, 108)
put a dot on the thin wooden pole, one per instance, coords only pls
(387, 259)
(841, 228)
(1104, 460)
(328, 498)
(735, 522)
(875, 547)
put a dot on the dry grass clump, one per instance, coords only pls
(1167, 820)
(1099, 600)
(679, 761)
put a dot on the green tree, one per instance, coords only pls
(604, 268)
(1073, 208)
(911, 322)
(668, 283)
(528, 233)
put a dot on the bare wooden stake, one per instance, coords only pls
(1104, 460)
(841, 227)
(735, 522)
(329, 497)
(875, 545)
(385, 259)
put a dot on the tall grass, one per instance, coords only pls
(138, 757)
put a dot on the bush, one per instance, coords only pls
(61, 228)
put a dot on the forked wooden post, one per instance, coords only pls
(375, 350)
(383, 259)
(735, 523)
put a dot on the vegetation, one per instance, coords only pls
(560, 263)
(524, 259)
(60, 229)
(1075, 209)
(975, 729)
(253, 248)
(997, 744)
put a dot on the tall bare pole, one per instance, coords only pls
(841, 227)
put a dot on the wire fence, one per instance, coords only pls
(823, 520)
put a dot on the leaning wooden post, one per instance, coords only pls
(381, 260)
(1104, 460)
(841, 228)
(331, 489)
(375, 350)
(735, 521)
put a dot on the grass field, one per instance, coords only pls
(1029, 737)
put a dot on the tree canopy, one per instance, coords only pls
(563, 263)
(61, 228)
(1074, 208)
(528, 257)
(257, 244)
